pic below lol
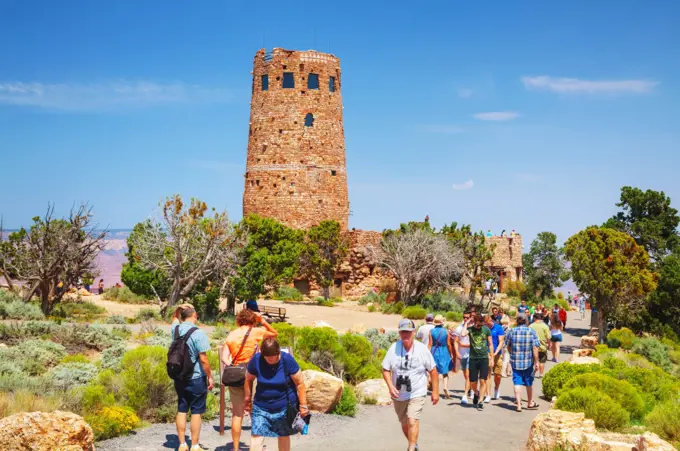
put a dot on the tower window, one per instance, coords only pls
(309, 120)
(331, 84)
(313, 81)
(334, 172)
(265, 82)
(288, 80)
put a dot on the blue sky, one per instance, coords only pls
(526, 114)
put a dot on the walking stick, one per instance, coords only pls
(222, 406)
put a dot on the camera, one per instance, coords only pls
(404, 380)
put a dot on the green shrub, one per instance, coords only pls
(122, 332)
(325, 302)
(316, 339)
(13, 307)
(116, 319)
(619, 390)
(613, 363)
(69, 310)
(95, 397)
(664, 421)
(560, 295)
(356, 358)
(454, 316)
(414, 312)
(607, 413)
(82, 336)
(288, 294)
(654, 351)
(396, 308)
(207, 304)
(514, 288)
(287, 334)
(112, 422)
(10, 367)
(34, 356)
(148, 314)
(603, 352)
(372, 308)
(125, 295)
(16, 332)
(561, 374)
(621, 338)
(307, 366)
(75, 358)
(373, 298)
(444, 302)
(67, 375)
(381, 341)
(13, 382)
(146, 385)
(348, 403)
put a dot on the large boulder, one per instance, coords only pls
(373, 390)
(582, 353)
(323, 390)
(40, 431)
(589, 342)
(556, 429)
(576, 360)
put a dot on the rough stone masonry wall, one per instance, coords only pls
(507, 255)
(296, 173)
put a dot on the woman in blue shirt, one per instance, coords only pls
(279, 383)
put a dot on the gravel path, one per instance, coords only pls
(446, 426)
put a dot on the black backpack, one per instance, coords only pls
(180, 366)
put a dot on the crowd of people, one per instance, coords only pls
(484, 347)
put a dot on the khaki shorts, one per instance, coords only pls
(409, 410)
(498, 364)
(237, 397)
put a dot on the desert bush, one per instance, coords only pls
(325, 302)
(287, 334)
(514, 288)
(112, 422)
(146, 385)
(381, 341)
(664, 421)
(95, 397)
(654, 351)
(454, 316)
(14, 382)
(414, 312)
(357, 358)
(125, 295)
(388, 286)
(34, 356)
(621, 338)
(13, 307)
(615, 364)
(287, 294)
(604, 352)
(607, 413)
(82, 336)
(373, 298)
(17, 332)
(75, 358)
(396, 308)
(307, 366)
(67, 375)
(147, 314)
(372, 309)
(113, 381)
(207, 304)
(122, 332)
(348, 403)
(159, 337)
(68, 310)
(443, 302)
(10, 367)
(115, 319)
(555, 379)
(26, 401)
(219, 333)
(620, 391)
(316, 339)
(560, 295)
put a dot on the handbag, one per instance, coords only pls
(293, 417)
(235, 375)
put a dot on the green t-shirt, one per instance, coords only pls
(543, 332)
(479, 342)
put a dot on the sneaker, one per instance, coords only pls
(487, 398)
(480, 406)
(472, 393)
(198, 447)
(183, 447)
(475, 400)
(496, 394)
(464, 400)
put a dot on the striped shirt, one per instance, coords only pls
(521, 341)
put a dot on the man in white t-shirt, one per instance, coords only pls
(461, 344)
(423, 334)
(405, 369)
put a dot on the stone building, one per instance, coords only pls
(506, 262)
(295, 170)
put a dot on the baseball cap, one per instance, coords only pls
(252, 305)
(429, 317)
(406, 325)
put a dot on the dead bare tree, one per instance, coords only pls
(421, 261)
(188, 246)
(52, 251)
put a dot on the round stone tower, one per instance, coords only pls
(295, 171)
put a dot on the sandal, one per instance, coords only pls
(518, 408)
(533, 405)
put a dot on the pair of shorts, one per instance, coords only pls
(523, 377)
(270, 424)
(409, 410)
(479, 369)
(542, 356)
(465, 363)
(192, 395)
(556, 338)
(237, 397)
(498, 364)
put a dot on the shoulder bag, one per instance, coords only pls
(293, 417)
(235, 375)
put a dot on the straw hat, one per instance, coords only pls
(439, 319)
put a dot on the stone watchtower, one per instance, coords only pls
(295, 170)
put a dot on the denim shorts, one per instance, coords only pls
(192, 395)
(465, 363)
(523, 377)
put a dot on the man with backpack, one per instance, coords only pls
(188, 366)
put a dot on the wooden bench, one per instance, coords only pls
(274, 312)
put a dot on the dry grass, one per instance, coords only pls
(24, 401)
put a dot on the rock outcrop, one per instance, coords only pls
(40, 431)
(589, 342)
(584, 360)
(556, 429)
(582, 353)
(323, 390)
(374, 390)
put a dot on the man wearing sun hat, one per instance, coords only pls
(405, 369)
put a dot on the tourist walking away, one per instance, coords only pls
(441, 347)
(423, 334)
(189, 368)
(101, 286)
(481, 353)
(543, 333)
(496, 362)
(582, 307)
(523, 345)
(461, 346)
(506, 370)
(279, 398)
(405, 369)
(239, 347)
(555, 336)
(562, 314)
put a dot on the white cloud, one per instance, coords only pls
(441, 128)
(105, 96)
(497, 116)
(575, 85)
(463, 186)
(464, 93)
